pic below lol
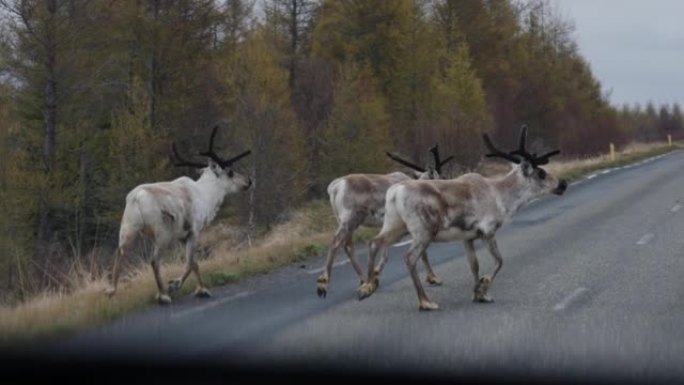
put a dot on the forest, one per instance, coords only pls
(94, 92)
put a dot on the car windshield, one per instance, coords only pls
(397, 190)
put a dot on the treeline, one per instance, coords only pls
(93, 93)
(646, 124)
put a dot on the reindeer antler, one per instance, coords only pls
(182, 162)
(496, 153)
(438, 164)
(222, 162)
(405, 162)
(521, 152)
(532, 158)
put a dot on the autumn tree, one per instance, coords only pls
(357, 134)
(260, 118)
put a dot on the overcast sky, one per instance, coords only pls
(635, 47)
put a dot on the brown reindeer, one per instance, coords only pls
(359, 199)
(177, 211)
(466, 208)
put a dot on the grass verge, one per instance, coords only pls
(305, 235)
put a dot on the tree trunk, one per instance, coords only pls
(49, 127)
(294, 42)
(153, 85)
(251, 222)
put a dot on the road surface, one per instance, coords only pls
(591, 289)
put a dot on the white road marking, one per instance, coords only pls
(402, 243)
(606, 171)
(218, 302)
(346, 261)
(592, 176)
(570, 298)
(336, 264)
(645, 239)
(676, 208)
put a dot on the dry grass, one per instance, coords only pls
(575, 168)
(304, 235)
(225, 257)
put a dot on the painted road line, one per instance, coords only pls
(321, 269)
(402, 243)
(573, 297)
(645, 239)
(676, 208)
(212, 304)
(346, 261)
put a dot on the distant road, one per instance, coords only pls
(592, 287)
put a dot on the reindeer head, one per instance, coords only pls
(218, 168)
(420, 172)
(528, 166)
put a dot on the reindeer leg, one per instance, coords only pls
(411, 258)
(176, 284)
(324, 279)
(431, 278)
(118, 259)
(201, 290)
(494, 251)
(487, 279)
(162, 297)
(381, 265)
(480, 292)
(349, 249)
(366, 289)
(381, 241)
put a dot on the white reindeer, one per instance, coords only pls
(177, 211)
(467, 208)
(359, 199)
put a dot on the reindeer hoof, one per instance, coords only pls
(483, 299)
(163, 299)
(110, 291)
(427, 305)
(366, 290)
(322, 291)
(202, 292)
(433, 280)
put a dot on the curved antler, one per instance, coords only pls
(439, 163)
(182, 162)
(532, 158)
(544, 159)
(520, 152)
(222, 162)
(494, 152)
(405, 162)
(234, 159)
(210, 152)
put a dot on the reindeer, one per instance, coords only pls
(466, 208)
(177, 211)
(359, 199)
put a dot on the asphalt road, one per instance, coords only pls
(591, 290)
